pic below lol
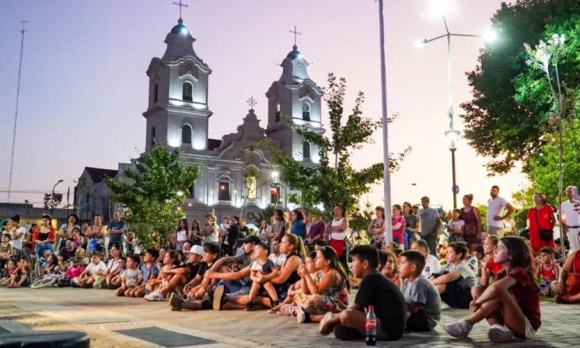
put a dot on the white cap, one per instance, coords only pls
(196, 249)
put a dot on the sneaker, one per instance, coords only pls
(218, 297)
(175, 302)
(459, 329)
(155, 296)
(324, 328)
(249, 307)
(499, 334)
(302, 316)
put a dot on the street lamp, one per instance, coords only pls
(452, 137)
(52, 197)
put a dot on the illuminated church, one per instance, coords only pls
(234, 177)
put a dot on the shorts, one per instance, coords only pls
(418, 322)
(530, 332)
(457, 294)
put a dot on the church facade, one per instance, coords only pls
(236, 177)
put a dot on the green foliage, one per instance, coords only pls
(334, 180)
(543, 167)
(156, 187)
(483, 213)
(511, 104)
(362, 218)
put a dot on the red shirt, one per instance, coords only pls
(495, 268)
(527, 295)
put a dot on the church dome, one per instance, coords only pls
(180, 28)
(294, 53)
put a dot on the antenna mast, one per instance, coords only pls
(22, 31)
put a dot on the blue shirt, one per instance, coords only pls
(298, 228)
(149, 272)
(117, 225)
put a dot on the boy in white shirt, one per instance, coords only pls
(432, 265)
(92, 274)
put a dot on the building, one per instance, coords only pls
(236, 178)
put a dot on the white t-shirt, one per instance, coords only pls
(494, 208)
(337, 235)
(113, 265)
(456, 225)
(432, 265)
(278, 260)
(92, 268)
(17, 242)
(570, 215)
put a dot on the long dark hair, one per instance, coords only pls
(185, 223)
(299, 215)
(521, 256)
(330, 254)
(279, 215)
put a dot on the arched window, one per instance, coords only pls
(278, 114)
(187, 91)
(186, 134)
(306, 111)
(155, 93)
(152, 136)
(306, 150)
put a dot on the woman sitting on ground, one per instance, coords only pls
(567, 288)
(325, 291)
(112, 275)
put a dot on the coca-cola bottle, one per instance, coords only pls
(371, 327)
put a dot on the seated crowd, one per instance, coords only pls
(275, 270)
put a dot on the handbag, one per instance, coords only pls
(545, 235)
(573, 280)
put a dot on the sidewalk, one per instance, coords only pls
(110, 320)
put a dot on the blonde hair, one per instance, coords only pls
(298, 244)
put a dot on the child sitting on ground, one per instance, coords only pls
(389, 269)
(423, 299)
(374, 290)
(50, 265)
(287, 307)
(7, 272)
(20, 278)
(511, 304)
(489, 269)
(457, 279)
(548, 271)
(130, 277)
(263, 270)
(150, 272)
(92, 273)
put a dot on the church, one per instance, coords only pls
(236, 178)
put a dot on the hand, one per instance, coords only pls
(38, 242)
(209, 275)
(260, 277)
(205, 282)
(497, 218)
(474, 307)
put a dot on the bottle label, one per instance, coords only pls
(370, 324)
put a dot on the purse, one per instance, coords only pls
(545, 235)
(573, 280)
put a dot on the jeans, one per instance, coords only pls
(431, 240)
(39, 249)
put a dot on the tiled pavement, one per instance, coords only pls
(101, 314)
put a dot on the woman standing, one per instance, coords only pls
(411, 225)
(541, 222)
(210, 230)
(96, 235)
(336, 232)
(398, 223)
(377, 228)
(298, 226)
(183, 233)
(472, 219)
(317, 229)
(65, 230)
(196, 232)
(263, 231)
(279, 227)
(44, 236)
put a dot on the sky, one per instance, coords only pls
(84, 86)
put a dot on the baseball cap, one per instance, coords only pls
(196, 249)
(250, 239)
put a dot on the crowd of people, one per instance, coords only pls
(306, 268)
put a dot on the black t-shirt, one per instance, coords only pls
(233, 235)
(378, 291)
(66, 254)
(193, 269)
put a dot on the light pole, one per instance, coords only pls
(452, 137)
(386, 169)
(52, 196)
(454, 134)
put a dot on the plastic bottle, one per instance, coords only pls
(371, 327)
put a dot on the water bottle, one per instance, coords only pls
(371, 327)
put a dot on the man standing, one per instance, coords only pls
(571, 218)
(430, 223)
(17, 233)
(494, 207)
(117, 229)
(233, 235)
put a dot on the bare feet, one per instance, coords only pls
(325, 327)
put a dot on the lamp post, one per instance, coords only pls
(452, 135)
(52, 196)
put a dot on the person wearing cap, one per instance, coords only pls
(68, 251)
(430, 223)
(17, 233)
(183, 275)
(44, 236)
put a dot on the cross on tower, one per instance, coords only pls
(296, 33)
(181, 6)
(252, 102)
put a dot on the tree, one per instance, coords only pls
(155, 188)
(510, 108)
(52, 201)
(334, 180)
(362, 218)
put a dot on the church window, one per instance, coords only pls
(278, 112)
(152, 136)
(224, 191)
(306, 150)
(187, 91)
(306, 111)
(186, 134)
(275, 195)
(155, 93)
(251, 187)
(191, 193)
